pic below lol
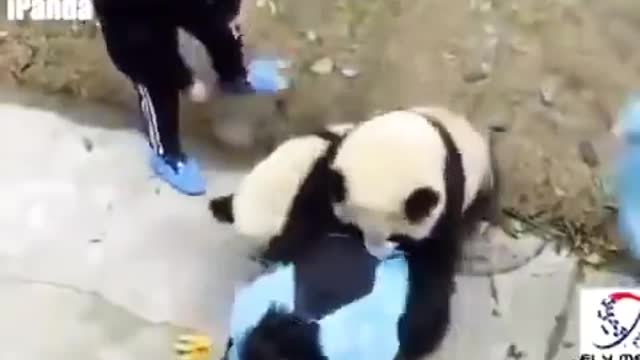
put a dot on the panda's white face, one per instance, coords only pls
(376, 227)
(379, 226)
(390, 172)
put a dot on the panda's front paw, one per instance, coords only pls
(411, 333)
(422, 330)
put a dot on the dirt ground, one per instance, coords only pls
(549, 73)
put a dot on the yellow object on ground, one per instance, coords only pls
(193, 347)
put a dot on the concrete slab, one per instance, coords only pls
(567, 347)
(476, 333)
(533, 300)
(44, 321)
(80, 208)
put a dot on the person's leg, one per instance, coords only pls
(159, 108)
(146, 50)
(159, 105)
(213, 25)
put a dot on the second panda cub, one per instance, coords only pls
(283, 202)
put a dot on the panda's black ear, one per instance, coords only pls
(420, 204)
(222, 208)
(337, 189)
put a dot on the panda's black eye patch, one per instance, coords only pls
(222, 208)
(420, 204)
(337, 189)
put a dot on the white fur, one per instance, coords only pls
(389, 156)
(263, 200)
(383, 161)
(340, 128)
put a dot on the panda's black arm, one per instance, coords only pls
(424, 324)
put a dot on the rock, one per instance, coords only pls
(88, 144)
(449, 56)
(548, 90)
(273, 8)
(75, 28)
(519, 45)
(323, 66)
(234, 131)
(349, 72)
(482, 6)
(588, 154)
(496, 116)
(478, 74)
(490, 30)
(479, 63)
(594, 259)
(485, 7)
(513, 353)
(311, 35)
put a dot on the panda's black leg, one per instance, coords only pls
(425, 322)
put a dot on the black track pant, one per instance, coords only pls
(142, 42)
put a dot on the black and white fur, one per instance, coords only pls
(417, 178)
(284, 200)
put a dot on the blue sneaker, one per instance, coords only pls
(183, 175)
(264, 76)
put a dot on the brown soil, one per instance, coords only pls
(550, 72)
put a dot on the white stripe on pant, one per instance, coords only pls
(149, 113)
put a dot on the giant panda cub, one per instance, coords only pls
(417, 179)
(283, 201)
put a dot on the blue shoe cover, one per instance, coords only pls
(264, 76)
(187, 179)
